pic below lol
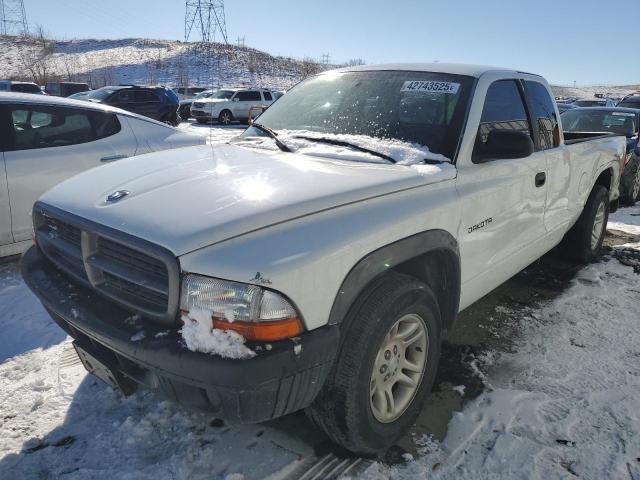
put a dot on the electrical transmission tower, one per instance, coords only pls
(207, 16)
(13, 18)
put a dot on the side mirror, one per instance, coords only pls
(503, 144)
(236, 99)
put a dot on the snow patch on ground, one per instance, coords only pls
(565, 403)
(625, 220)
(200, 336)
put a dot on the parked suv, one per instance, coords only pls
(21, 87)
(159, 103)
(231, 104)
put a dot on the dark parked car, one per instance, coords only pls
(65, 89)
(563, 107)
(630, 101)
(159, 103)
(621, 121)
(595, 103)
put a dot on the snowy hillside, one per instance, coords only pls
(588, 92)
(101, 62)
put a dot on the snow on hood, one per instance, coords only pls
(189, 198)
(404, 153)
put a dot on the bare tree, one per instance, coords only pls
(354, 62)
(37, 61)
(309, 67)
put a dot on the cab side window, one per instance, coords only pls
(267, 96)
(544, 113)
(503, 110)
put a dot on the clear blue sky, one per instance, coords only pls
(587, 41)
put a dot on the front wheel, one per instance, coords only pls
(385, 367)
(225, 117)
(584, 241)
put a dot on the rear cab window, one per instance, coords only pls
(544, 115)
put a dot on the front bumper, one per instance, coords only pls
(273, 383)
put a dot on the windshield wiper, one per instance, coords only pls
(341, 143)
(273, 135)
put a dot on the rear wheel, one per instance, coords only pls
(634, 188)
(584, 241)
(225, 117)
(386, 366)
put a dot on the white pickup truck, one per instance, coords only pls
(317, 261)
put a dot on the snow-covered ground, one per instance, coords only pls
(564, 401)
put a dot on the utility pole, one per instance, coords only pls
(241, 41)
(13, 18)
(325, 58)
(207, 16)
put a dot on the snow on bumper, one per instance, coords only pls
(274, 382)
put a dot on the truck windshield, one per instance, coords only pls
(421, 108)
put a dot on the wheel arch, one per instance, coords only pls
(605, 178)
(432, 256)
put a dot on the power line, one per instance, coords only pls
(207, 16)
(13, 18)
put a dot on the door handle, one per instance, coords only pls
(111, 158)
(540, 179)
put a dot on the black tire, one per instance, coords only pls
(577, 244)
(342, 409)
(632, 192)
(225, 117)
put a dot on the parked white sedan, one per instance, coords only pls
(44, 140)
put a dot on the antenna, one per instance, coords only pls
(208, 18)
(13, 18)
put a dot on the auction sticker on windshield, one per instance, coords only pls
(430, 86)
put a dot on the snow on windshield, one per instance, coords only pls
(404, 153)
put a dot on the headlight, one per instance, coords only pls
(254, 312)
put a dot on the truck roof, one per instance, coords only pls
(454, 68)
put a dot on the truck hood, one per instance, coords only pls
(189, 198)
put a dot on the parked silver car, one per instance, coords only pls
(45, 140)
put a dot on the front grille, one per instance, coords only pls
(130, 271)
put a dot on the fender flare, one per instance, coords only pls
(385, 258)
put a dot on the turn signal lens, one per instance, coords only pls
(263, 331)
